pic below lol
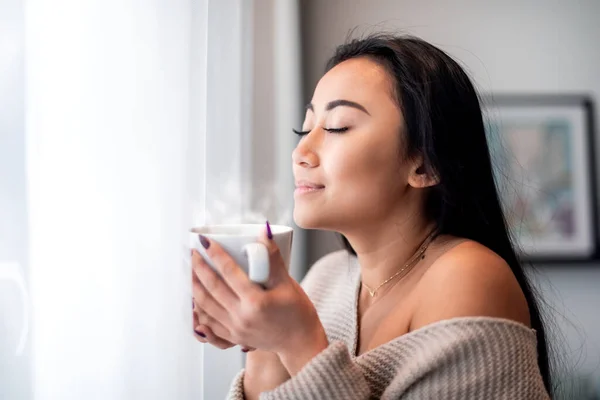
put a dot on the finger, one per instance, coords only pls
(231, 272)
(278, 270)
(198, 334)
(212, 338)
(219, 320)
(203, 300)
(215, 296)
(201, 319)
(215, 326)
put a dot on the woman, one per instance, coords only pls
(429, 299)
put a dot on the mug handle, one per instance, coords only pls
(10, 271)
(258, 262)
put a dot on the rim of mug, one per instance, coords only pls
(275, 229)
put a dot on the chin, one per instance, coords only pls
(306, 219)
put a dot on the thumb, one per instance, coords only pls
(277, 269)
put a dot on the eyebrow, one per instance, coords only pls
(339, 103)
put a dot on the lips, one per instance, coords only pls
(308, 185)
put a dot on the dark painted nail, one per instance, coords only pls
(193, 304)
(269, 233)
(245, 350)
(204, 241)
(200, 333)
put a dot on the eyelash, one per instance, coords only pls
(330, 130)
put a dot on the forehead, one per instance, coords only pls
(358, 79)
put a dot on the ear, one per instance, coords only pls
(419, 177)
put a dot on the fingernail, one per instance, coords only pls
(193, 304)
(245, 350)
(200, 333)
(204, 241)
(269, 233)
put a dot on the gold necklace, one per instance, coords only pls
(419, 254)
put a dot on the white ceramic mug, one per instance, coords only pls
(240, 241)
(11, 271)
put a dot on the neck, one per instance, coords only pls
(385, 248)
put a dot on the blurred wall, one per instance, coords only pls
(277, 107)
(508, 46)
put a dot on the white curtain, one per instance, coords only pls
(108, 120)
(15, 368)
(139, 119)
(107, 117)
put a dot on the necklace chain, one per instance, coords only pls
(419, 254)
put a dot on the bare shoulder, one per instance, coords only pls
(469, 279)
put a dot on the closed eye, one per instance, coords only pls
(330, 130)
(336, 130)
(301, 133)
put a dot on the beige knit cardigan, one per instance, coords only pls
(460, 358)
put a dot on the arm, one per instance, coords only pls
(264, 371)
(460, 358)
(331, 374)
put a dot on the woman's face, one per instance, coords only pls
(356, 176)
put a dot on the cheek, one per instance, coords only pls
(363, 179)
(370, 172)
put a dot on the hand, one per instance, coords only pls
(279, 317)
(204, 334)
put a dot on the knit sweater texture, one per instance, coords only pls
(459, 358)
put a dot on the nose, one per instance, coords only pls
(305, 154)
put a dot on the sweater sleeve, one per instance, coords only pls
(331, 374)
(471, 358)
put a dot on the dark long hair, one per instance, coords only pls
(444, 125)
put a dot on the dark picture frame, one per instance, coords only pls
(543, 155)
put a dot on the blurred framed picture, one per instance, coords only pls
(542, 150)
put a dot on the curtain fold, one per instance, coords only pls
(107, 125)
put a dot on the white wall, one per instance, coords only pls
(508, 46)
